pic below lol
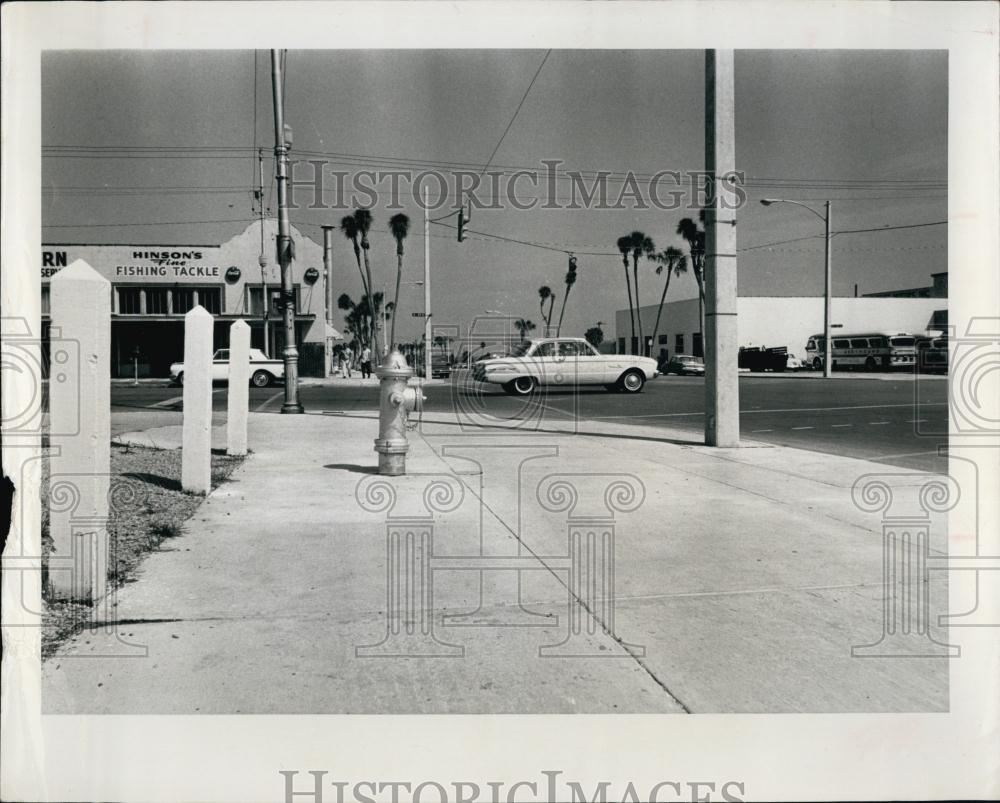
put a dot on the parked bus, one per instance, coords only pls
(903, 351)
(932, 354)
(870, 351)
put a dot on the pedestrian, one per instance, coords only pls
(338, 356)
(366, 363)
(348, 356)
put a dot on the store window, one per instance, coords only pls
(183, 300)
(211, 299)
(46, 309)
(697, 348)
(663, 340)
(129, 301)
(678, 344)
(156, 301)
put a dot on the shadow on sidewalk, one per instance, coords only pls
(353, 468)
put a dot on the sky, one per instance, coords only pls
(865, 129)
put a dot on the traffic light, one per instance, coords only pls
(572, 264)
(463, 220)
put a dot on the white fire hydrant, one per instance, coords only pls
(396, 401)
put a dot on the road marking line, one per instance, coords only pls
(268, 400)
(803, 427)
(761, 430)
(841, 425)
(168, 402)
(784, 410)
(917, 421)
(876, 458)
(878, 423)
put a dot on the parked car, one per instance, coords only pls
(564, 361)
(262, 370)
(793, 363)
(682, 364)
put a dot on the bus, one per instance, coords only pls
(932, 354)
(870, 351)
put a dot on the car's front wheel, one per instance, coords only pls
(632, 381)
(260, 379)
(180, 379)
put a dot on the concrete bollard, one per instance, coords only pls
(196, 459)
(237, 409)
(80, 415)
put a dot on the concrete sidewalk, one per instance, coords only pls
(742, 578)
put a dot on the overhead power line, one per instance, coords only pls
(524, 97)
(563, 173)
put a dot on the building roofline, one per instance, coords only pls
(137, 245)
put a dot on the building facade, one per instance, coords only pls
(939, 289)
(769, 321)
(154, 285)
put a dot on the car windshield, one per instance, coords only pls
(903, 341)
(521, 348)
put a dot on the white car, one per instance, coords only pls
(262, 370)
(564, 361)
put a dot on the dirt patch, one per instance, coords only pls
(147, 508)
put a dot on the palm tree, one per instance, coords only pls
(349, 227)
(399, 225)
(360, 315)
(641, 245)
(694, 236)
(625, 245)
(570, 281)
(674, 262)
(595, 336)
(363, 220)
(524, 326)
(545, 294)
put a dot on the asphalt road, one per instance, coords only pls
(899, 422)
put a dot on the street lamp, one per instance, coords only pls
(827, 346)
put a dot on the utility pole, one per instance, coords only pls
(262, 259)
(328, 278)
(427, 286)
(828, 305)
(722, 391)
(285, 248)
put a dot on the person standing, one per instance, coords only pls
(366, 363)
(348, 356)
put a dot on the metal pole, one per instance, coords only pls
(827, 307)
(291, 352)
(262, 259)
(328, 271)
(427, 286)
(722, 392)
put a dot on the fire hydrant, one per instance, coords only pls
(396, 401)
